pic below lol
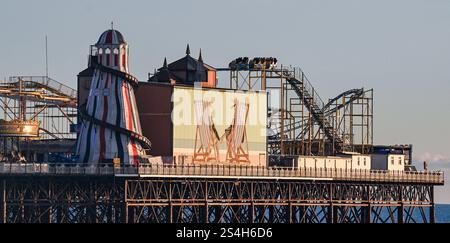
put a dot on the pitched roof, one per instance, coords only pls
(186, 63)
(186, 69)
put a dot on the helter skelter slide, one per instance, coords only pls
(110, 125)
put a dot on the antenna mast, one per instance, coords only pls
(46, 57)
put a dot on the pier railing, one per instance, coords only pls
(224, 171)
(248, 172)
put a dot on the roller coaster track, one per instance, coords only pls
(306, 92)
(39, 89)
(351, 95)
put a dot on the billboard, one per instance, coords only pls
(219, 126)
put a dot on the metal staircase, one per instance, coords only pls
(306, 92)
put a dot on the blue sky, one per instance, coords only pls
(399, 48)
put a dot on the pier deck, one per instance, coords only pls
(226, 172)
(44, 193)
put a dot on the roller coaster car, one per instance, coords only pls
(240, 63)
(263, 63)
(244, 63)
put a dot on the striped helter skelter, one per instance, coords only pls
(110, 123)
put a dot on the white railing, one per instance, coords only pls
(51, 83)
(435, 177)
(225, 171)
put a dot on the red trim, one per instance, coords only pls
(130, 124)
(135, 152)
(102, 128)
(109, 37)
(108, 57)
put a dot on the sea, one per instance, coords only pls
(442, 213)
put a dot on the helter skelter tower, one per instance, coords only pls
(110, 126)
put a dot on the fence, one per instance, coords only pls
(225, 171)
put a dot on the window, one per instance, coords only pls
(400, 160)
(108, 57)
(359, 161)
(100, 55)
(364, 161)
(116, 57)
(392, 160)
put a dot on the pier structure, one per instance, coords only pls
(43, 193)
(116, 186)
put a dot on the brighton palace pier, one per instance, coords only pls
(257, 145)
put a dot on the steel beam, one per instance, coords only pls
(44, 199)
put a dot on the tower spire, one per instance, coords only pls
(200, 58)
(188, 50)
(165, 63)
(112, 25)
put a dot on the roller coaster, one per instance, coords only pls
(300, 122)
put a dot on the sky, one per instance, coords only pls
(400, 48)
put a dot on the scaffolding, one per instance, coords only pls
(42, 100)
